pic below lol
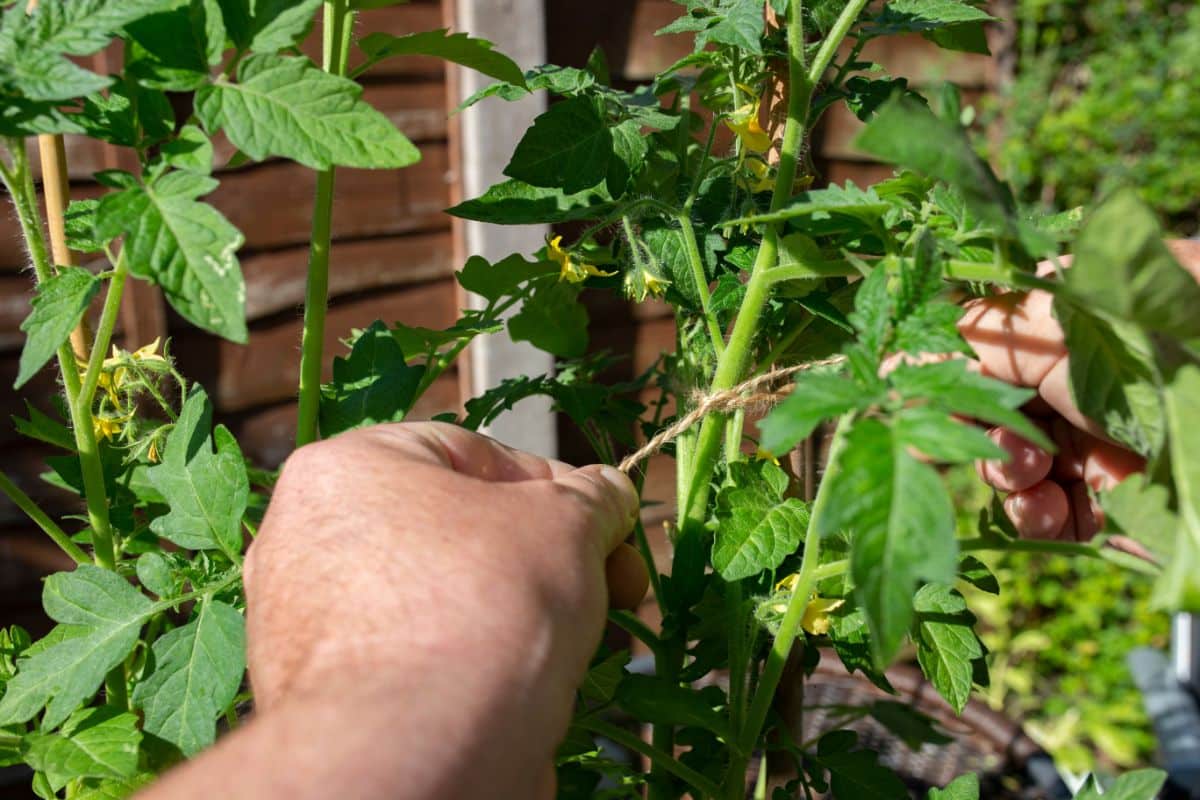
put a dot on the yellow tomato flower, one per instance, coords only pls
(654, 285)
(108, 427)
(762, 176)
(569, 269)
(744, 123)
(763, 455)
(817, 619)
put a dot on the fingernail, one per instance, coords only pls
(620, 481)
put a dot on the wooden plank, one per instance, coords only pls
(272, 203)
(266, 435)
(267, 370)
(275, 280)
(649, 54)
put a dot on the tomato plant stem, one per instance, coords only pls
(19, 181)
(104, 331)
(42, 520)
(335, 56)
(696, 265)
(659, 758)
(790, 626)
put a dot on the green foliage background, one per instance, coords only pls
(1105, 94)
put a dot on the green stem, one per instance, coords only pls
(335, 55)
(696, 263)
(790, 626)
(628, 622)
(19, 181)
(42, 519)
(104, 332)
(833, 40)
(659, 758)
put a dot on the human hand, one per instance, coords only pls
(1018, 340)
(436, 566)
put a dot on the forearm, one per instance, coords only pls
(439, 740)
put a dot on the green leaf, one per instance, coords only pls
(267, 26)
(917, 16)
(976, 573)
(964, 787)
(58, 307)
(908, 724)
(909, 134)
(286, 106)
(1140, 784)
(175, 50)
(901, 526)
(519, 203)
(101, 615)
(80, 221)
(502, 279)
(740, 25)
(207, 490)
(197, 672)
(863, 205)
(818, 396)
(858, 774)
(630, 149)
(44, 429)
(600, 683)
(460, 48)
(154, 573)
(94, 743)
(850, 636)
(374, 384)
(1114, 380)
(185, 246)
(949, 386)
(568, 147)
(1179, 587)
(1122, 267)
(190, 150)
(552, 319)
(665, 702)
(753, 539)
(939, 436)
(946, 642)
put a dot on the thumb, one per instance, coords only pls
(607, 497)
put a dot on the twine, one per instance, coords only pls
(749, 394)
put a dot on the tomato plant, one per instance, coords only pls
(765, 275)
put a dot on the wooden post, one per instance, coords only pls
(482, 139)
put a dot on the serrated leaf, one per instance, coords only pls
(374, 384)
(101, 616)
(552, 319)
(1113, 377)
(185, 246)
(976, 573)
(917, 16)
(190, 150)
(207, 490)
(175, 50)
(901, 526)
(154, 573)
(285, 106)
(94, 743)
(949, 386)
(502, 279)
(939, 436)
(58, 306)
(267, 26)
(817, 396)
(946, 642)
(568, 147)
(519, 203)
(659, 700)
(964, 787)
(850, 637)
(460, 48)
(1121, 266)
(630, 149)
(752, 539)
(909, 134)
(601, 682)
(863, 205)
(43, 428)
(740, 24)
(197, 672)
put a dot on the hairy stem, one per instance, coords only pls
(19, 181)
(42, 519)
(335, 55)
(696, 265)
(104, 331)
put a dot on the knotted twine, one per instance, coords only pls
(759, 393)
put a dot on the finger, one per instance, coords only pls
(1055, 389)
(1068, 460)
(470, 453)
(1086, 517)
(1026, 465)
(608, 499)
(1015, 335)
(1106, 464)
(1039, 512)
(1187, 253)
(627, 578)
